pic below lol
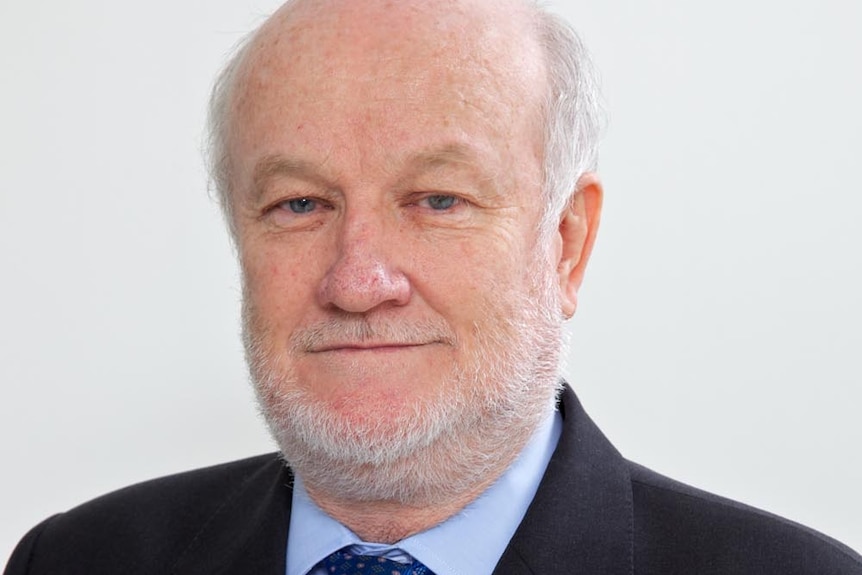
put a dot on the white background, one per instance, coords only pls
(718, 339)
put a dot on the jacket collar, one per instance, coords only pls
(248, 532)
(581, 520)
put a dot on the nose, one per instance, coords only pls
(364, 275)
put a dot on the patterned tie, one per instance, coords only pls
(343, 562)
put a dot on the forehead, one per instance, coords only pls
(326, 33)
(318, 67)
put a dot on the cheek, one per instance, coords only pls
(277, 284)
(468, 278)
(445, 270)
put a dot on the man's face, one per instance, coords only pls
(386, 195)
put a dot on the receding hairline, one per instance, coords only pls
(519, 77)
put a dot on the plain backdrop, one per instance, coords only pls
(718, 336)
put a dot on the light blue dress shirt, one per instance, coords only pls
(468, 543)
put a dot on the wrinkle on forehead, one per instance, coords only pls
(354, 65)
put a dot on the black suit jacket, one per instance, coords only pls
(594, 514)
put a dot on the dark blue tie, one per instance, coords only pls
(342, 562)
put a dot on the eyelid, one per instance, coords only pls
(284, 201)
(279, 215)
(422, 197)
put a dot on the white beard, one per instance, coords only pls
(432, 449)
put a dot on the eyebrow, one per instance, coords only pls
(274, 166)
(448, 154)
(453, 154)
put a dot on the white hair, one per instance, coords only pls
(216, 148)
(571, 112)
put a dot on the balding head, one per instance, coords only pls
(526, 55)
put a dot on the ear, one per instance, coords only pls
(579, 223)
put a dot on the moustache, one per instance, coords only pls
(364, 331)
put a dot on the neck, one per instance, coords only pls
(391, 521)
(422, 491)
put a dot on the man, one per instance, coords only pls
(410, 192)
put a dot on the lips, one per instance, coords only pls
(366, 346)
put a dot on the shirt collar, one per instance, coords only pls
(469, 543)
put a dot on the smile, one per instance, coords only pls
(381, 347)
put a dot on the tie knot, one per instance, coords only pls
(343, 562)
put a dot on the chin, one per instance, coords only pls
(369, 445)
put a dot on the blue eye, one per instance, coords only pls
(440, 202)
(301, 205)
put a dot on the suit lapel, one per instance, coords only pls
(248, 532)
(581, 519)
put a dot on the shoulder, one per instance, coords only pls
(148, 523)
(680, 529)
